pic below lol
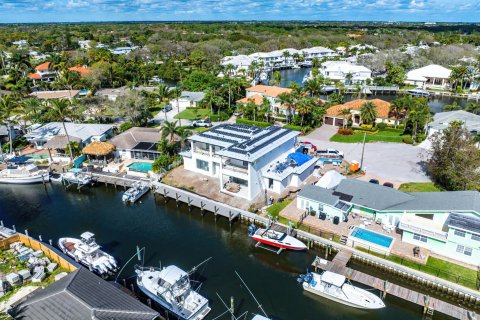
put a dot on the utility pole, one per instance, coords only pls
(363, 150)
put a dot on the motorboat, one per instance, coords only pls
(171, 288)
(24, 174)
(87, 252)
(419, 92)
(135, 192)
(333, 286)
(78, 178)
(275, 238)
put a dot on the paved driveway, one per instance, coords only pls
(394, 162)
(160, 117)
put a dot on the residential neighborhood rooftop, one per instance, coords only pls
(382, 107)
(83, 131)
(442, 120)
(57, 94)
(271, 91)
(133, 136)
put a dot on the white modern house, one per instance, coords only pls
(429, 76)
(345, 72)
(248, 160)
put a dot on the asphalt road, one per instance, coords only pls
(394, 162)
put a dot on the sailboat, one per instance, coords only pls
(333, 286)
(171, 288)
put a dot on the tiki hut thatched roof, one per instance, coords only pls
(98, 148)
(60, 142)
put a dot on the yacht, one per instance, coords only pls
(135, 192)
(78, 178)
(27, 174)
(86, 251)
(171, 288)
(333, 286)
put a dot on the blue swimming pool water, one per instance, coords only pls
(141, 166)
(373, 237)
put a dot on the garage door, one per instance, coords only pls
(339, 122)
(329, 120)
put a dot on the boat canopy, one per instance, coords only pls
(334, 279)
(172, 274)
(21, 159)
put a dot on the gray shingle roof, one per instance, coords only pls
(130, 138)
(319, 194)
(447, 200)
(82, 295)
(442, 120)
(372, 195)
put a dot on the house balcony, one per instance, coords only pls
(423, 227)
(202, 151)
(235, 168)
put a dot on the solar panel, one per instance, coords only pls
(464, 222)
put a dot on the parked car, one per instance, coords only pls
(388, 184)
(202, 123)
(374, 181)
(167, 108)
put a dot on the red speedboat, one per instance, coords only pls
(276, 239)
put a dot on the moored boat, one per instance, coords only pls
(78, 178)
(275, 238)
(135, 192)
(171, 288)
(419, 92)
(333, 286)
(24, 174)
(87, 252)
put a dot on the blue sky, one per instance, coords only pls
(351, 10)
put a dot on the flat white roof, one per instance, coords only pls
(430, 71)
(82, 131)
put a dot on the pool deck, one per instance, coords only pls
(398, 247)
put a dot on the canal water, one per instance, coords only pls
(172, 235)
(435, 103)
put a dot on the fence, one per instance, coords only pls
(49, 252)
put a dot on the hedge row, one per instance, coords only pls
(260, 124)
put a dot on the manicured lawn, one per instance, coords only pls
(275, 208)
(419, 187)
(193, 114)
(384, 135)
(196, 129)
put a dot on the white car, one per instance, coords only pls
(202, 123)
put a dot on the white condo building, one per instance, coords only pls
(340, 71)
(249, 160)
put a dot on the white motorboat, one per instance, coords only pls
(333, 286)
(419, 92)
(136, 192)
(26, 174)
(78, 178)
(275, 238)
(87, 252)
(171, 288)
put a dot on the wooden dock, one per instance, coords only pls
(117, 180)
(429, 304)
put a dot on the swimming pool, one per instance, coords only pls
(140, 166)
(371, 240)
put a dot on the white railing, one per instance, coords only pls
(409, 227)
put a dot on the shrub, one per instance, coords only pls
(162, 162)
(407, 140)
(253, 123)
(420, 137)
(345, 131)
(293, 127)
(381, 125)
(125, 126)
(366, 126)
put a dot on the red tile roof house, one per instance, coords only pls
(272, 93)
(43, 73)
(83, 70)
(333, 114)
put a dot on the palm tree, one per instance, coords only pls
(7, 107)
(29, 110)
(473, 107)
(61, 110)
(396, 108)
(458, 74)
(163, 93)
(211, 98)
(346, 114)
(176, 93)
(276, 79)
(303, 107)
(368, 112)
(452, 107)
(169, 129)
(183, 134)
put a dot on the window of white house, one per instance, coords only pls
(419, 237)
(465, 250)
(459, 233)
(202, 165)
(475, 237)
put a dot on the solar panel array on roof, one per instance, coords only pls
(464, 222)
(146, 146)
(343, 196)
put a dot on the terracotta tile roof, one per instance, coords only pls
(83, 70)
(271, 91)
(383, 107)
(43, 67)
(35, 76)
(59, 94)
(256, 98)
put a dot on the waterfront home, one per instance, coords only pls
(272, 94)
(442, 120)
(43, 73)
(82, 70)
(86, 132)
(431, 76)
(188, 99)
(446, 223)
(56, 94)
(81, 295)
(334, 117)
(345, 72)
(248, 160)
(137, 143)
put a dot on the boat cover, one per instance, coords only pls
(299, 158)
(21, 159)
(334, 279)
